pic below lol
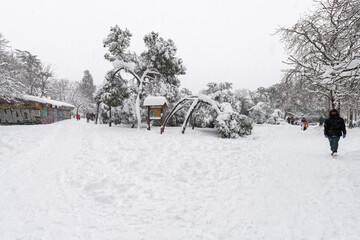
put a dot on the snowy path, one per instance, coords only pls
(72, 180)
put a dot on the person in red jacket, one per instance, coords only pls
(78, 117)
(304, 124)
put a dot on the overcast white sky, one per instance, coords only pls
(228, 40)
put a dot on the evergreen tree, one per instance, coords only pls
(79, 99)
(87, 86)
(154, 72)
(161, 55)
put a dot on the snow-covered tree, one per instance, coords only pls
(117, 43)
(161, 55)
(260, 113)
(324, 50)
(10, 78)
(31, 69)
(24, 73)
(115, 93)
(154, 72)
(79, 99)
(222, 92)
(60, 89)
(45, 79)
(276, 117)
(87, 86)
(244, 100)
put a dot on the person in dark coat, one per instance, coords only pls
(292, 120)
(334, 128)
(288, 120)
(88, 117)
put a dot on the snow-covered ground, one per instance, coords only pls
(73, 180)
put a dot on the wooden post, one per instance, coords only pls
(148, 119)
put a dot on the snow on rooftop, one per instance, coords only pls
(155, 101)
(46, 101)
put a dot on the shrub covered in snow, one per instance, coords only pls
(276, 117)
(260, 113)
(204, 116)
(233, 125)
(357, 123)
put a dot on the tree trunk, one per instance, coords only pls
(110, 119)
(351, 119)
(193, 122)
(137, 109)
(97, 112)
(148, 119)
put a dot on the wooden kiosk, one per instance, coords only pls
(156, 107)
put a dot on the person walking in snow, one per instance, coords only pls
(334, 128)
(292, 120)
(77, 117)
(304, 124)
(87, 117)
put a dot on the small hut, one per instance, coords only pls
(156, 107)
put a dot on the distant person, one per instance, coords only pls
(77, 117)
(292, 120)
(288, 119)
(321, 121)
(334, 128)
(88, 117)
(304, 124)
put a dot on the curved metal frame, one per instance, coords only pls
(176, 108)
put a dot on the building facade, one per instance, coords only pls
(33, 110)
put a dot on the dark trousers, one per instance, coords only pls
(334, 143)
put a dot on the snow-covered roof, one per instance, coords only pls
(155, 101)
(46, 101)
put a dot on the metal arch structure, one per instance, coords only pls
(196, 101)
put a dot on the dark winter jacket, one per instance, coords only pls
(334, 126)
